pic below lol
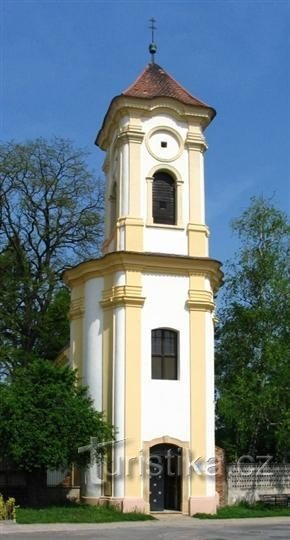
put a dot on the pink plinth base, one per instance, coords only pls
(126, 504)
(205, 505)
(93, 501)
(134, 504)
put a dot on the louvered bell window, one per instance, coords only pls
(164, 199)
(164, 353)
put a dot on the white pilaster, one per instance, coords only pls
(93, 328)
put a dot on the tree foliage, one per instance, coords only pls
(253, 338)
(51, 217)
(45, 417)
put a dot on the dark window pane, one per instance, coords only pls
(157, 333)
(164, 199)
(169, 367)
(156, 342)
(169, 342)
(156, 367)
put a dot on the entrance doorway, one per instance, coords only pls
(165, 477)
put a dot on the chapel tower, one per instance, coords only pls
(142, 314)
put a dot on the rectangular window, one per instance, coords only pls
(164, 354)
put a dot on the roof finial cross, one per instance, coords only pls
(152, 46)
(152, 27)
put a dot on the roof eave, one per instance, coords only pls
(99, 141)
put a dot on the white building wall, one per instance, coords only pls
(92, 350)
(165, 403)
(157, 239)
(164, 120)
(201, 181)
(124, 183)
(93, 330)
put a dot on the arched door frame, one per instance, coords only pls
(147, 445)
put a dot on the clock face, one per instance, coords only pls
(164, 144)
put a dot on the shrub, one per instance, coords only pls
(7, 509)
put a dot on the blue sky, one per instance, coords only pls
(63, 60)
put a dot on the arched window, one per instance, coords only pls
(164, 353)
(164, 198)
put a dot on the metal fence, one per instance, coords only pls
(56, 477)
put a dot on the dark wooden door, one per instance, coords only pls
(172, 488)
(165, 478)
(157, 484)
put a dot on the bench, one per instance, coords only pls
(275, 500)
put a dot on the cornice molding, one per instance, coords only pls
(139, 107)
(77, 309)
(122, 295)
(200, 300)
(159, 263)
(136, 222)
(195, 141)
(130, 133)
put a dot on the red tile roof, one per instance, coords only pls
(155, 82)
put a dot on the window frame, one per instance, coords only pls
(164, 355)
(171, 171)
(164, 192)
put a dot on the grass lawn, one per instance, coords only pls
(244, 510)
(76, 513)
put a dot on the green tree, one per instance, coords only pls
(45, 416)
(253, 338)
(51, 217)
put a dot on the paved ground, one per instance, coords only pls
(181, 528)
